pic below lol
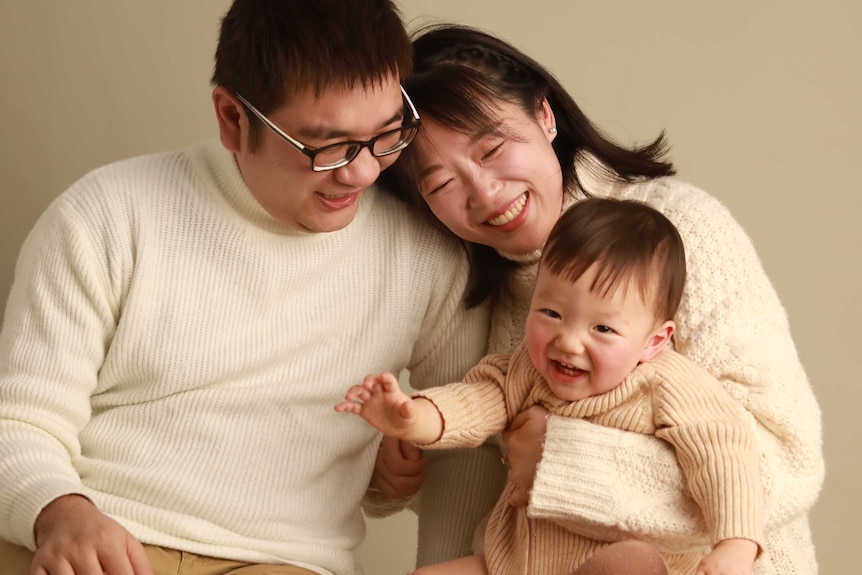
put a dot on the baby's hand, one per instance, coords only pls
(380, 402)
(729, 557)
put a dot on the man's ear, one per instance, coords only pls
(657, 340)
(231, 117)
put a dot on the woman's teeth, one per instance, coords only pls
(512, 213)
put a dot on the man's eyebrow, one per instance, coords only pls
(326, 133)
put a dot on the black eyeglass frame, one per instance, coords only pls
(353, 147)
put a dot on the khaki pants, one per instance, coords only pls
(16, 561)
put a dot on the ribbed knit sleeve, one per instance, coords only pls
(732, 324)
(713, 437)
(474, 410)
(60, 318)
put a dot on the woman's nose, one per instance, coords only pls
(483, 190)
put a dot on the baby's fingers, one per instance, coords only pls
(389, 382)
(370, 382)
(405, 410)
(349, 407)
(385, 381)
(357, 392)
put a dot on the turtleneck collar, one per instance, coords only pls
(219, 166)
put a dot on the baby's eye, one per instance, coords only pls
(604, 329)
(550, 313)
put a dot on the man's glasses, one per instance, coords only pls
(337, 155)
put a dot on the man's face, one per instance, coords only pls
(280, 177)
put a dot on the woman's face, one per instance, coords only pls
(503, 189)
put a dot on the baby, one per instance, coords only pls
(609, 283)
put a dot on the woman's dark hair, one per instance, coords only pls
(631, 244)
(460, 74)
(269, 50)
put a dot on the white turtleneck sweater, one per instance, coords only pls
(174, 354)
(601, 480)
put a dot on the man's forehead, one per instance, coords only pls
(370, 88)
(342, 111)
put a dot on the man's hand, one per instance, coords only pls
(75, 538)
(399, 470)
(524, 441)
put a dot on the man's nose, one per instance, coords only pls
(361, 172)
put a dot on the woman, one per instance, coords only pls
(502, 151)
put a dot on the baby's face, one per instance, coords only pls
(585, 343)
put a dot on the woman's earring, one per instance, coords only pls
(553, 130)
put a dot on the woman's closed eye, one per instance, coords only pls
(494, 151)
(434, 188)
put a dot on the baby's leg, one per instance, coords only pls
(470, 565)
(624, 558)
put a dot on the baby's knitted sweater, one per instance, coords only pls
(173, 353)
(668, 397)
(730, 323)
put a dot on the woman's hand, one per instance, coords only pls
(524, 440)
(399, 470)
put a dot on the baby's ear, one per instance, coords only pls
(657, 340)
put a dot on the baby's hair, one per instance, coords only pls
(629, 242)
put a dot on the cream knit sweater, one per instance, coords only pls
(174, 354)
(669, 397)
(732, 324)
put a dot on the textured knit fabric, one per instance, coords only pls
(173, 353)
(668, 397)
(730, 323)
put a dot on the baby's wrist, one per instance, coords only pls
(428, 422)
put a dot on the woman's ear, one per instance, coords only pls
(547, 120)
(229, 114)
(657, 340)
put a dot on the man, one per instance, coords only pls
(181, 324)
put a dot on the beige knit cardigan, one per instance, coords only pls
(731, 323)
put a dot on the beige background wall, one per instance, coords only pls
(760, 100)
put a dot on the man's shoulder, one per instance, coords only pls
(149, 165)
(386, 203)
(408, 222)
(407, 241)
(135, 177)
(126, 188)
(123, 170)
